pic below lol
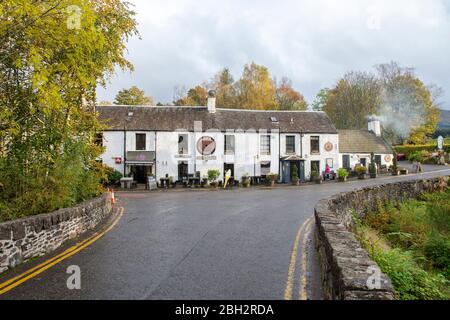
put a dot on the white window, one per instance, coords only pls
(265, 145)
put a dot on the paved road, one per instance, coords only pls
(198, 245)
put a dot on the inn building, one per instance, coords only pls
(186, 141)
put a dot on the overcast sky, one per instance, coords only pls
(313, 42)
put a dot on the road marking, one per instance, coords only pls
(33, 272)
(303, 279)
(291, 271)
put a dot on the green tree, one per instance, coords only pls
(321, 100)
(256, 90)
(53, 54)
(225, 87)
(288, 98)
(133, 97)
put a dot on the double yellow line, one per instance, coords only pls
(302, 235)
(33, 272)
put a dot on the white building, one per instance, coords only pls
(356, 146)
(184, 141)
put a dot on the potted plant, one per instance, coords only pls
(316, 177)
(372, 167)
(394, 167)
(342, 174)
(295, 178)
(246, 181)
(213, 175)
(271, 178)
(361, 172)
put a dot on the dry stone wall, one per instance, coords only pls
(35, 236)
(347, 271)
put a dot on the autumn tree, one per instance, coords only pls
(133, 97)
(53, 54)
(197, 96)
(354, 97)
(225, 87)
(256, 90)
(408, 109)
(288, 98)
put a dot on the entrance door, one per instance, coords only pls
(286, 172)
(363, 162)
(226, 167)
(346, 161)
(140, 173)
(182, 170)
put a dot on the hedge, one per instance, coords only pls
(408, 149)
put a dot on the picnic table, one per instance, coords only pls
(126, 183)
(165, 182)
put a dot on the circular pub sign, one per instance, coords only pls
(387, 158)
(206, 146)
(328, 146)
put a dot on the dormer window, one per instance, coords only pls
(274, 119)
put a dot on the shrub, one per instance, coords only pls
(407, 150)
(272, 177)
(360, 170)
(409, 280)
(114, 176)
(342, 173)
(213, 175)
(295, 177)
(437, 251)
(245, 181)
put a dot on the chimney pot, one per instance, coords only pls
(212, 101)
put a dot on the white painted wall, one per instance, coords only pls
(355, 158)
(113, 142)
(247, 146)
(333, 154)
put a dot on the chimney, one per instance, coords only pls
(374, 125)
(212, 101)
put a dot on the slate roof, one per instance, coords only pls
(360, 141)
(173, 118)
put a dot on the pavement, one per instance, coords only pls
(236, 245)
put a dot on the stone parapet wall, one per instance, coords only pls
(36, 236)
(347, 271)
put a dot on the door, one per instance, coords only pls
(286, 172)
(226, 167)
(363, 162)
(182, 170)
(140, 173)
(346, 161)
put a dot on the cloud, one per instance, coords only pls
(314, 42)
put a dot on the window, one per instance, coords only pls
(330, 162)
(290, 144)
(265, 145)
(140, 141)
(378, 160)
(265, 168)
(346, 161)
(183, 144)
(315, 145)
(315, 166)
(229, 144)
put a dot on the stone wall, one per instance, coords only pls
(35, 236)
(345, 265)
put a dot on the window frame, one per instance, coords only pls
(138, 142)
(293, 150)
(265, 150)
(314, 140)
(183, 151)
(228, 152)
